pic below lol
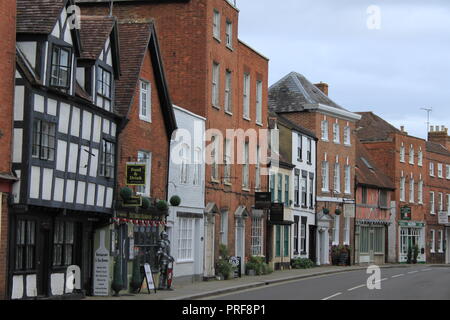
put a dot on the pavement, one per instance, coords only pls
(204, 289)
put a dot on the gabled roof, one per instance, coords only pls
(38, 16)
(41, 16)
(437, 148)
(293, 92)
(94, 32)
(367, 173)
(373, 128)
(135, 36)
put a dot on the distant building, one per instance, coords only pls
(403, 159)
(309, 106)
(374, 191)
(186, 222)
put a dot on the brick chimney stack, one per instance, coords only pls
(322, 87)
(439, 135)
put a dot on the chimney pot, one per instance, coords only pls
(322, 87)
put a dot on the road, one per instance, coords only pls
(402, 283)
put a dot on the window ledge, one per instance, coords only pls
(217, 39)
(246, 119)
(184, 261)
(259, 124)
(215, 181)
(145, 119)
(229, 113)
(229, 47)
(245, 189)
(227, 183)
(216, 107)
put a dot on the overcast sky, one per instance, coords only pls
(393, 71)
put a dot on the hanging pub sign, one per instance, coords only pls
(132, 202)
(263, 200)
(443, 217)
(135, 173)
(277, 212)
(405, 213)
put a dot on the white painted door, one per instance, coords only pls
(240, 241)
(209, 248)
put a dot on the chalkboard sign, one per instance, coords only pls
(149, 278)
(237, 263)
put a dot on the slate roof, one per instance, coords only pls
(291, 93)
(94, 32)
(437, 148)
(367, 173)
(373, 128)
(38, 17)
(134, 40)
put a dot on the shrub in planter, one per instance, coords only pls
(223, 265)
(250, 268)
(162, 205)
(302, 263)
(175, 201)
(146, 203)
(126, 193)
(335, 255)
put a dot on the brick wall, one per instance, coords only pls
(7, 67)
(151, 137)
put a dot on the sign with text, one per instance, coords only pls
(349, 210)
(277, 212)
(132, 202)
(135, 173)
(443, 217)
(237, 263)
(263, 200)
(101, 268)
(405, 213)
(149, 278)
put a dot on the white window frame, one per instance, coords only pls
(420, 157)
(246, 96)
(411, 190)
(420, 192)
(347, 178)
(145, 111)
(147, 156)
(259, 97)
(325, 176)
(402, 153)
(229, 34)
(227, 162)
(184, 166)
(186, 240)
(336, 133)
(433, 240)
(346, 231)
(411, 155)
(258, 170)
(215, 98)
(324, 128)
(216, 24)
(257, 237)
(440, 241)
(228, 92)
(448, 205)
(440, 170)
(337, 178)
(347, 136)
(336, 227)
(447, 169)
(215, 159)
(246, 167)
(432, 203)
(402, 189)
(197, 176)
(441, 201)
(431, 169)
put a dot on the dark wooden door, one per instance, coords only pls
(312, 243)
(44, 258)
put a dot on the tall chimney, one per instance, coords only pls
(440, 135)
(322, 87)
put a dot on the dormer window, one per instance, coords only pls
(104, 89)
(60, 72)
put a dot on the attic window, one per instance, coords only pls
(60, 68)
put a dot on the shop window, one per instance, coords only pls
(146, 240)
(186, 239)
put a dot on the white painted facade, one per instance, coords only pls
(304, 213)
(186, 223)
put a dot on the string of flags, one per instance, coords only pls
(146, 223)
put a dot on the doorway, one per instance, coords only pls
(43, 259)
(312, 243)
(209, 271)
(240, 241)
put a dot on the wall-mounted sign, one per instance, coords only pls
(277, 212)
(135, 173)
(443, 217)
(263, 200)
(132, 202)
(349, 210)
(405, 213)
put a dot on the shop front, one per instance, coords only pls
(323, 238)
(280, 229)
(412, 234)
(371, 241)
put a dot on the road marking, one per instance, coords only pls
(334, 295)
(411, 272)
(381, 280)
(398, 275)
(354, 288)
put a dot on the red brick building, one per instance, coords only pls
(438, 193)
(402, 158)
(374, 191)
(212, 73)
(7, 67)
(305, 104)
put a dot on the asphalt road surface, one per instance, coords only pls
(404, 283)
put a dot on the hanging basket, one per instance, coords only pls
(126, 193)
(175, 201)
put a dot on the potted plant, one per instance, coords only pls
(224, 268)
(250, 268)
(343, 255)
(415, 254)
(409, 255)
(334, 255)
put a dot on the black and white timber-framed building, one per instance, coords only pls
(64, 152)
